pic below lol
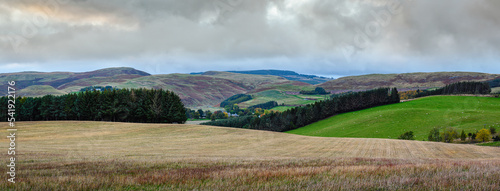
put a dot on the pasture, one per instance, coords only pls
(420, 116)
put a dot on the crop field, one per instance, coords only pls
(420, 116)
(73, 155)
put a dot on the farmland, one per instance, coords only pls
(419, 116)
(115, 156)
(282, 98)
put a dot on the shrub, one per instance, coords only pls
(484, 135)
(493, 130)
(497, 138)
(463, 136)
(449, 135)
(407, 136)
(434, 135)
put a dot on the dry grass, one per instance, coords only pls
(118, 156)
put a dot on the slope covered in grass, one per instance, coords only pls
(419, 116)
(39, 90)
(282, 98)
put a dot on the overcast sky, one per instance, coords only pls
(322, 37)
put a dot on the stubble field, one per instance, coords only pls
(71, 155)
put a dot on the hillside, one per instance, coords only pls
(212, 88)
(39, 90)
(404, 81)
(68, 81)
(73, 155)
(195, 90)
(419, 116)
(282, 98)
(289, 75)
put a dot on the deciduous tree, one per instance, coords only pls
(484, 135)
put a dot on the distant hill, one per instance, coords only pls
(289, 75)
(213, 87)
(68, 81)
(404, 81)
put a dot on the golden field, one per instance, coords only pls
(73, 155)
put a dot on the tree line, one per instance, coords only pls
(235, 99)
(301, 116)
(267, 105)
(124, 105)
(450, 135)
(450, 89)
(317, 91)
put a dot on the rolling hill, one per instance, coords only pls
(68, 81)
(290, 75)
(212, 87)
(209, 88)
(404, 81)
(419, 116)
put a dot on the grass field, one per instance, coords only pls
(72, 155)
(419, 116)
(281, 98)
(282, 108)
(40, 90)
(492, 144)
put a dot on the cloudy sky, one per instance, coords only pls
(323, 37)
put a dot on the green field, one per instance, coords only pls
(419, 116)
(39, 90)
(282, 108)
(281, 98)
(491, 144)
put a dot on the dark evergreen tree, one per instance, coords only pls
(140, 105)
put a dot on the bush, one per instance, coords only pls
(449, 135)
(497, 138)
(434, 135)
(493, 130)
(484, 135)
(407, 136)
(463, 136)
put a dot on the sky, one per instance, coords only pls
(322, 37)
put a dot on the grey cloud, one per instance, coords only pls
(200, 35)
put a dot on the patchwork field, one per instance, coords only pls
(419, 116)
(127, 156)
(282, 98)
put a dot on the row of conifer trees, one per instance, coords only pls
(302, 116)
(125, 105)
